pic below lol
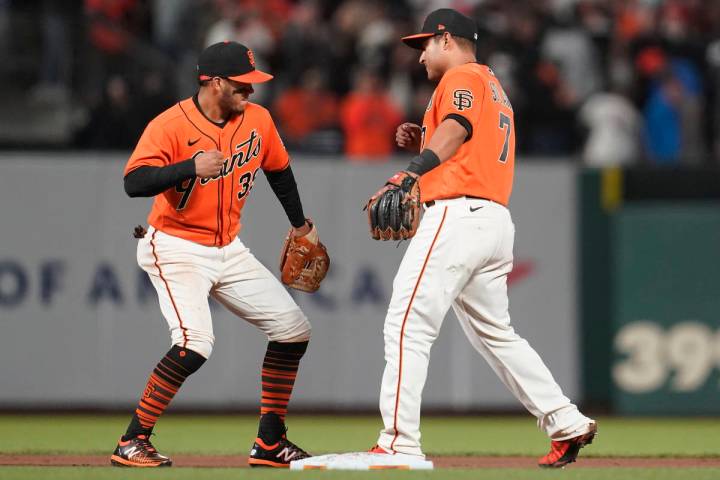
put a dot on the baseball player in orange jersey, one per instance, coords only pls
(199, 160)
(462, 254)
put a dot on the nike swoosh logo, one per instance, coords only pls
(476, 208)
(193, 142)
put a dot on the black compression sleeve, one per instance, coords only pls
(285, 188)
(149, 181)
(423, 163)
(464, 122)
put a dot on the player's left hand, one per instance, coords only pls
(394, 210)
(304, 261)
(302, 231)
(408, 136)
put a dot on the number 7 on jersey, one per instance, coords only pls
(505, 122)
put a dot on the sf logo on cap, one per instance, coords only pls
(251, 57)
(462, 99)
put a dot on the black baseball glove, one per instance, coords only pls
(394, 211)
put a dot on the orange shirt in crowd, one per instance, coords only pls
(300, 112)
(369, 122)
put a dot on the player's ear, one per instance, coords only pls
(446, 37)
(217, 83)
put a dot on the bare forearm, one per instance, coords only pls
(442, 145)
(447, 139)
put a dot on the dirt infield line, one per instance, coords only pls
(240, 461)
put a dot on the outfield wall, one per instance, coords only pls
(81, 326)
(648, 295)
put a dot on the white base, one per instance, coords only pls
(362, 461)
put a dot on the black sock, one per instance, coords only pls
(135, 429)
(271, 429)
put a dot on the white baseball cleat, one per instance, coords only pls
(362, 461)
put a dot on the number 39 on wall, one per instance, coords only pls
(685, 354)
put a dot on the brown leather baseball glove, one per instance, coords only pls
(304, 261)
(394, 211)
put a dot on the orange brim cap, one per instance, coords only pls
(416, 41)
(256, 76)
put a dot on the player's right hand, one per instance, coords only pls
(208, 164)
(408, 136)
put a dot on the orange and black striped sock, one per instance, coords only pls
(279, 370)
(165, 380)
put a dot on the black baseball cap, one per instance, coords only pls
(230, 60)
(441, 21)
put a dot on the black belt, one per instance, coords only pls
(432, 202)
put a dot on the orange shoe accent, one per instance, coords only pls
(267, 463)
(563, 452)
(138, 452)
(389, 467)
(119, 461)
(264, 445)
(379, 449)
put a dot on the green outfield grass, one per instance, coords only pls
(477, 435)
(72, 473)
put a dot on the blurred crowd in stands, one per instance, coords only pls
(614, 82)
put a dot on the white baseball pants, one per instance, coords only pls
(461, 258)
(185, 273)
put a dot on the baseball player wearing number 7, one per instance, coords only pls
(462, 252)
(199, 160)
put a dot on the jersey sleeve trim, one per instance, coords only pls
(464, 122)
(273, 170)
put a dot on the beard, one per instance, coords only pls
(229, 106)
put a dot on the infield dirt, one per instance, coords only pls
(240, 461)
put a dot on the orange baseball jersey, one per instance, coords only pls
(483, 165)
(207, 210)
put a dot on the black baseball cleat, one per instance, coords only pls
(271, 447)
(278, 455)
(566, 451)
(138, 452)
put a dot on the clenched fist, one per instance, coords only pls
(408, 136)
(208, 164)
